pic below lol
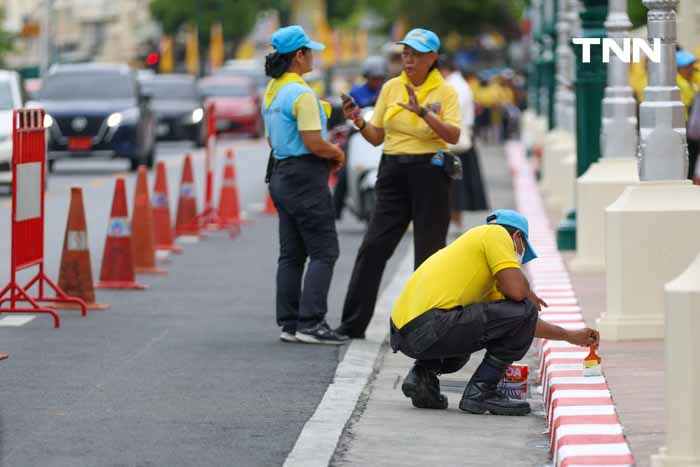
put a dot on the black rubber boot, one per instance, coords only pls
(482, 394)
(423, 388)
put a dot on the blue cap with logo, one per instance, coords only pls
(292, 38)
(421, 40)
(684, 58)
(517, 221)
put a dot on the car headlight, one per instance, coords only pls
(48, 121)
(129, 116)
(114, 120)
(197, 115)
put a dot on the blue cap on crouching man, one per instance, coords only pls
(517, 221)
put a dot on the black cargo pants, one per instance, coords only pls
(443, 340)
(299, 189)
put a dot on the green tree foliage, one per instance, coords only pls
(236, 16)
(467, 17)
(5, 38)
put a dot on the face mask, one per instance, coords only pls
(519, 255)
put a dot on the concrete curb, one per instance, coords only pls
(583, 423)
(319, 438)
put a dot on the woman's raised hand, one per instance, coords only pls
(412, 104)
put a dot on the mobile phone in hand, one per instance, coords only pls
(355, 107)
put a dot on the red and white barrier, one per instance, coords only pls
(583, 425)
(28, 173)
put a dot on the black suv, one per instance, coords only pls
(97, 109)
(178, 106)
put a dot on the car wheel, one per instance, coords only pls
(151, 158)
(134, 164)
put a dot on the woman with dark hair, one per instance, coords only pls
(300, 162)
(416, 115)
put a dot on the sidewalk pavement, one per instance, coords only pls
(634, 371)
(386, 430)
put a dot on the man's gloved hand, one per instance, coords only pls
(586, 337)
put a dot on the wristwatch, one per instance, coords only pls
(422, 112)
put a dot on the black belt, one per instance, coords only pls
(408, 158)
(289, 159)
(419, 321)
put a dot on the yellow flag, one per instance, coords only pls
(346, 38)
(361, 45)
(192, 51)
(166, 54)
(216, 46)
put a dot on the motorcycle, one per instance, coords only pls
(361, 167)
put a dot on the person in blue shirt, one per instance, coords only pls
(300, 163)
(375, 72)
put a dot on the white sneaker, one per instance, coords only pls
(288, 337)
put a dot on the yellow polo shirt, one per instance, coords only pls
(404, 131)
(460, 274)
(305, 109)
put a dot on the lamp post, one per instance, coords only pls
(605, 180)
(590, 89)
(651, 229)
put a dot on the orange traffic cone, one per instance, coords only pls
(163, 228)
(143, 238)
(75, 275)
(186, 221)
(229, 208)
(117, 261)
(270, 209)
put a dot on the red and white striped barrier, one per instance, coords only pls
(583, 425)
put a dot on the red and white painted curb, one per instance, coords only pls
(583, 425)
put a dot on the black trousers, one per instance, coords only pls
(443, 340)
(406, 191)
(299, 189)
(693, 149)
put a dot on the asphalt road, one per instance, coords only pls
(187, 373)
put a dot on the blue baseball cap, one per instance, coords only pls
(684, 58)
(293, 38)
(421, 40)
(517, 221)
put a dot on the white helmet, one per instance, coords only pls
(374, 67)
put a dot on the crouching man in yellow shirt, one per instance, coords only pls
(468, 296)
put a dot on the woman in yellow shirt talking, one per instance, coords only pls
(417, 114)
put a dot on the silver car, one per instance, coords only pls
(10, 99)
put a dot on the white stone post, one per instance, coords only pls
(652, 229)
(605, 180)
(559, 145)
(681, 371)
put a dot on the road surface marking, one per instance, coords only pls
(16, 321)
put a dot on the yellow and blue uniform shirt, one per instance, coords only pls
(290, 107)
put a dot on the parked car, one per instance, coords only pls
(178, 106)
(10, 99)
(97, 110)
(253, 69)
(236, 103)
